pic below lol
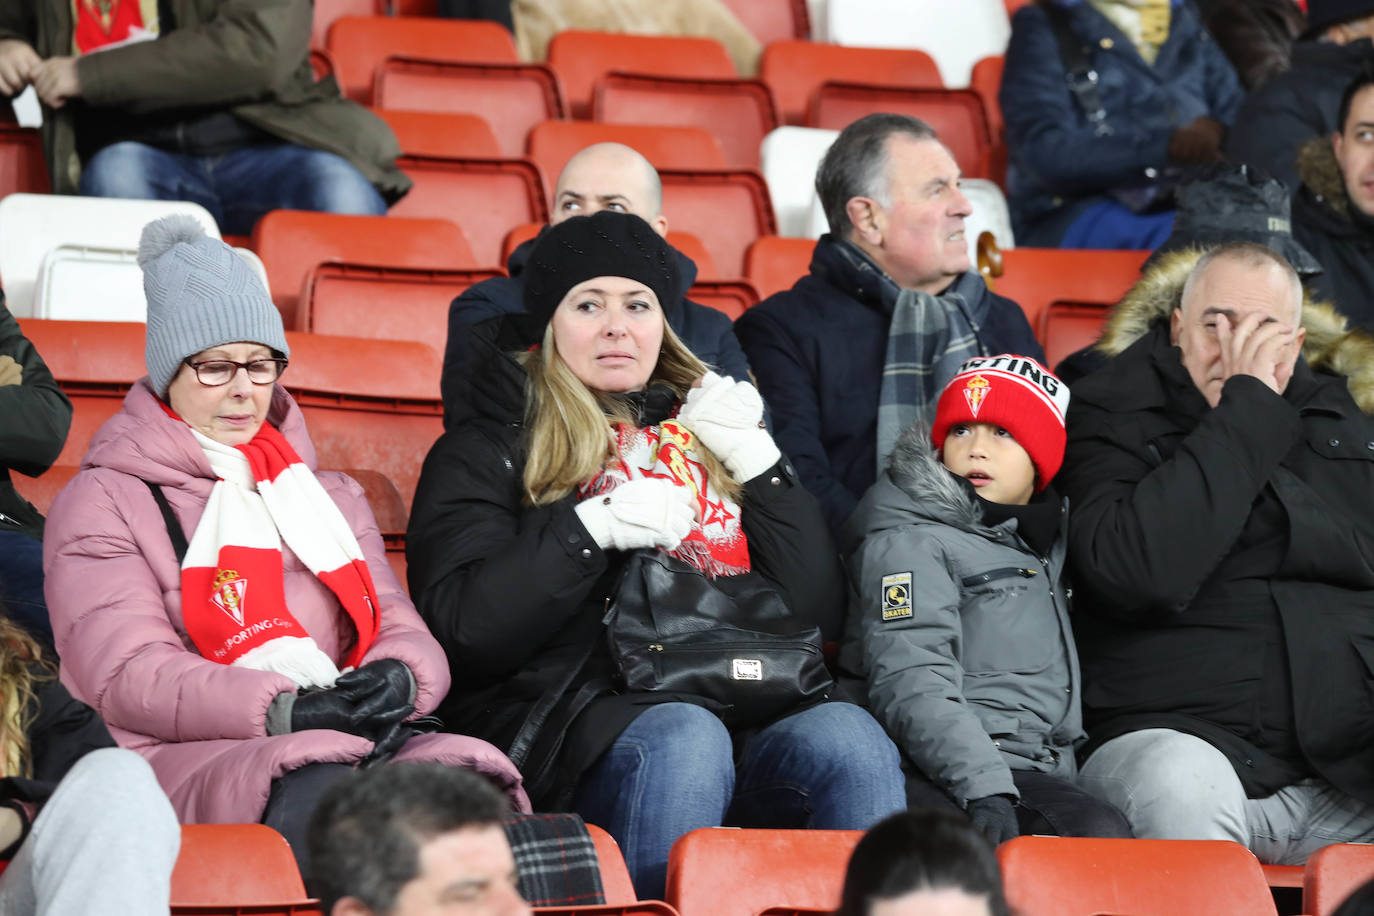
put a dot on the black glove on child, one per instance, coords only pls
(995, 816)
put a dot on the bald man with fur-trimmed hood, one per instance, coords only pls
(1221, 472)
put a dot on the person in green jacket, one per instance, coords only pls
(212, 101)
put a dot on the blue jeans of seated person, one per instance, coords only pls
(673, 770)
(21, 585)
(1176, 786)
(236, 187)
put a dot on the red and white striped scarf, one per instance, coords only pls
(716, 544)
(232, 597)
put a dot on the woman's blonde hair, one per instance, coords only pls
(570, 425)
(21, 666)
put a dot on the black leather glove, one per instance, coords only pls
(379, 689)
(995, 816)
(325, 708)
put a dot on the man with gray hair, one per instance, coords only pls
(860, 348)
(1222, 547)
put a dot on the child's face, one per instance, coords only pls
(990, 459)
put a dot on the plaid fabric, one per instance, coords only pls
(555, 859)
(928, 340)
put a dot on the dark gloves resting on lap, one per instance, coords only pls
(368, 701)
(995, 816)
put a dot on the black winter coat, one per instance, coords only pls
(819, 349)
(34, 418)
(1292, 108)
(707, 332)
(516, 594)
(1224, 562)
(1337, 234)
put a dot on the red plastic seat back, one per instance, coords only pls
(511, 98)
(729, 872)
(388, 303)
(986, 80)
(1067, 327)
(733, 297)
(22, 168)
(740, 112)
(795, 69)
(490, 196)
(552, 143)
(616, 886)
(1334, 873)
(727, 210)
(41, 490)
(956, 114)
(291, 242)
(1035, 277)
(774, 263)
(1076, 876)
(581, 57)
(359, 44)
(235, 865)
(433, 133)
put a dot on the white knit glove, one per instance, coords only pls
(727, 417)
(649, 512)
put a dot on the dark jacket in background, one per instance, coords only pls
(515, 594)
(818, 350)
(1293, 107)
(250, 57)
(34, 418)
(1256, 35)
(1058, 166)
(707, 332)
(1337, 234)
(1223, 558)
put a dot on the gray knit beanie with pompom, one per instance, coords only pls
(201, 294)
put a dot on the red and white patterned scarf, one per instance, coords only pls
(716, 544)
(233, 601)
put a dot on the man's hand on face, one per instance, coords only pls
(18, 63)
(56, 81)
(1255, 346)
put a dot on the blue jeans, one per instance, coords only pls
(673, 770)
(236, 187)
(21, 584)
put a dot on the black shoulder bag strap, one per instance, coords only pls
(1078, 71)
(173, 526)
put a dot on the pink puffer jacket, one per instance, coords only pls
(114, 594)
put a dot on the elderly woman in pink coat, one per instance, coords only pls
(226, 608)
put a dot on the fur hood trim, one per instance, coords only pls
(1321, 173)
(1330, 345)
(916, 471)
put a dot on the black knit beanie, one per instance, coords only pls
(605, 244)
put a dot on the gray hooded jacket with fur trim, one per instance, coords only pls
(960, 630)
(1224, 557)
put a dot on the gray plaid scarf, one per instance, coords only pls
(928, 340)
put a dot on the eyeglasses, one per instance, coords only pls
(212, 373)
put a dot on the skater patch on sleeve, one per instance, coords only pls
(897, 596)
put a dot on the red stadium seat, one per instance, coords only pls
(740, 112)
(237, 868)
(429, 133)
(1074, 876)
(321, 63)
(291, 242)
(774, 263)
(388, 508)
(580, 58)
(773, 20)
(956, 114)
(616, 886)
(1035, 277)
(387, 303)
(41, 490)
(512, 98)
(360, 44)
(552, 143)
(726, 209)
(733, 297)
(729, 872)
(795, 69)
(1334, 873)
(22, 167)
(987, 82)
(490, 195)
(1067, 327)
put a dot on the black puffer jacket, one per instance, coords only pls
(1224, 557)
(34, 418)
(516, 594)
(1337, 234)
(1279, 117)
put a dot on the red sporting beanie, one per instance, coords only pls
(1015, 393)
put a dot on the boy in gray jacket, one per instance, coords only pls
(959, 616)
